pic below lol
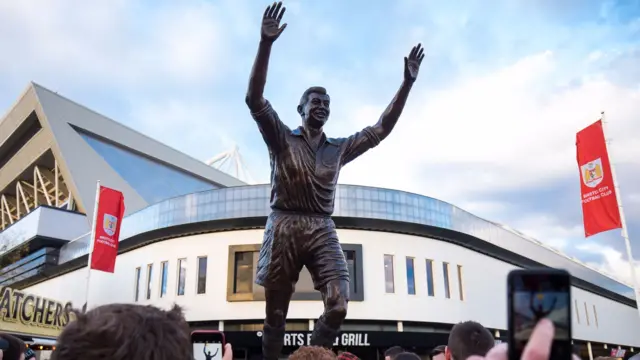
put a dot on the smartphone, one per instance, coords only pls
(207, 344)
(532, 296)
(4, 344)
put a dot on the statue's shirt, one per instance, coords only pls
(304, 179)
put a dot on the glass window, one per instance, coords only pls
(351, 265)
(575, 306)
(430, 287)
(149, 178)
(389, 284)
(182, 275)
(149, 274)
(586, 313)
(243, 267)
(460, 285)
(136, 284)
(202, 275)
(445, 274)
(164, 273)
(411, 277)
(595, 315)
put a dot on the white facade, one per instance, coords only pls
(483, 283)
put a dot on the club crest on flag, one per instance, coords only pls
(592, 173)
(109, 224)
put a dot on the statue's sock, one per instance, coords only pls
(323, 335)
(272, 342)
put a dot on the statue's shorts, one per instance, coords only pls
(292, 241)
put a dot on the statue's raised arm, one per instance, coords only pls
(360, 142)
(271, 127)
(392, 113)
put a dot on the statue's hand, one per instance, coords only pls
(412, 63)
(271, 28)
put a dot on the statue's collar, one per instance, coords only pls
(299, 131)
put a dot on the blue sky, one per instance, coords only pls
(490, 125)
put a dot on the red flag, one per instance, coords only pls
(110, 210)
(600, 210)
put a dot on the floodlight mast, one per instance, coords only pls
(232, 163)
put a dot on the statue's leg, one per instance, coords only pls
(335, 295)
(330, 275)
(277, 306)
(278, 270)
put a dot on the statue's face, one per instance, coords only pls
(316, 110)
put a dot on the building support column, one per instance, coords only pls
(220, 325)
(400, 326)
(312, 323)
(590, 351)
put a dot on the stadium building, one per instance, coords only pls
(191, 234)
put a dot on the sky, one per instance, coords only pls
(490, 124)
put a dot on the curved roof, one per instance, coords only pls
(369, 206)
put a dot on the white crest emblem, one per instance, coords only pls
(109, 224)
(592, 174)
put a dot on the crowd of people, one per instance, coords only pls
(137, 332)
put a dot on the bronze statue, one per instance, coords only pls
(305, 165)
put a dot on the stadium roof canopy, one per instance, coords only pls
(53, 151)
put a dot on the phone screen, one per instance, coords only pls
(534, 296)
(207, 345)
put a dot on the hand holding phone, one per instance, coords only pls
(534, 295)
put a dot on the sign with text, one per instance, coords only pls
(30, 314)
(600, 210)
(110, 210)
(344, 339)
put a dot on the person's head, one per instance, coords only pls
(126, 331)
(345, 355)
(392, 352)
(15, 348)
(438, 352)
(312, 353)
(467, 339)
(407, 356)
(314, 107)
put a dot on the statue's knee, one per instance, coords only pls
(275, 319)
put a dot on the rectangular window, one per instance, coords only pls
(595, 315)
(460, 285)
(586, 313)
(164, 274)
(351, 266)
(243, 268)
(430, 286)
(575, 305)
(389, 283)
(241, 275)
(411, 276)
(136, 286)
(149, 274)
(202, 275)
(182, 275)
(445, 274)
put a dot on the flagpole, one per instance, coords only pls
(91, 243)
(623, 221)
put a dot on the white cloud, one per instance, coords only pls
(547, 229)
(614, 262)
(111, 43)
(514, 126)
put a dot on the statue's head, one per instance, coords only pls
(314, 107)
